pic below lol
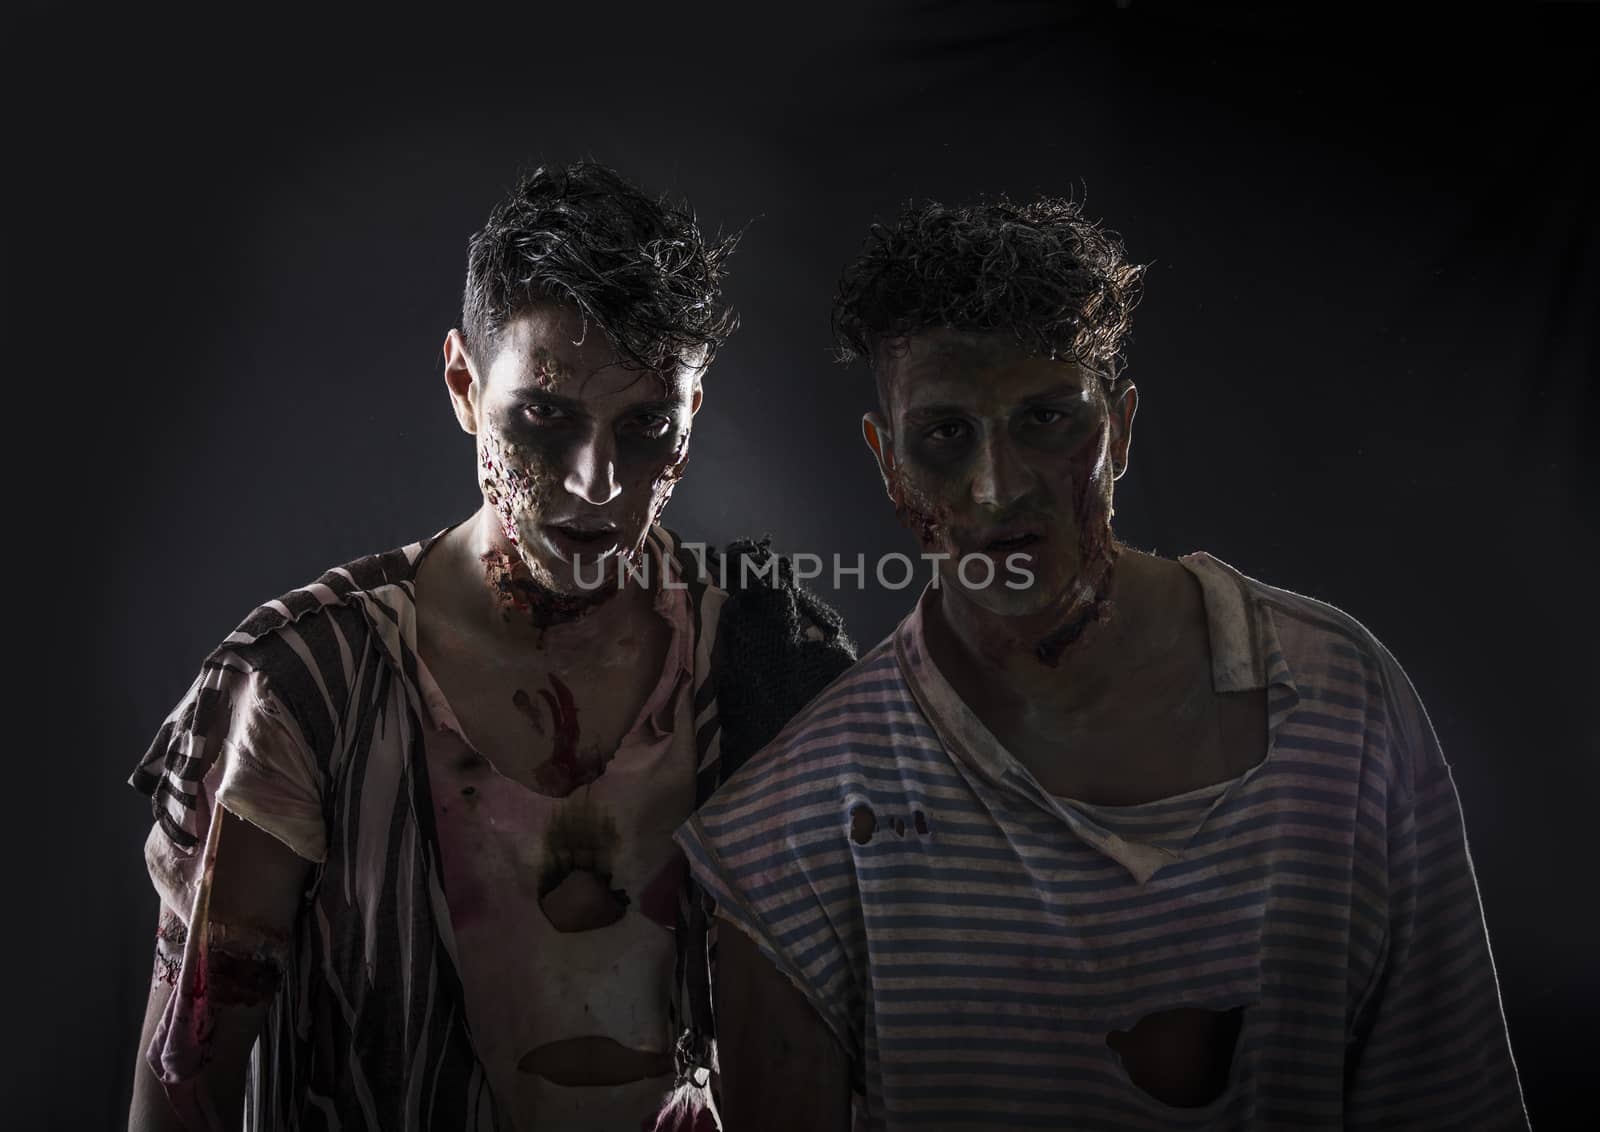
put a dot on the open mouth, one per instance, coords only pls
(584, 534)
(582, 538)
(1012, 542)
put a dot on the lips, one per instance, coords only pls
(591, 538)
(1006, 538)
(583, 534)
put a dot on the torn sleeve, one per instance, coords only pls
(230, 742)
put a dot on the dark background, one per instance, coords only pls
(1365, 358)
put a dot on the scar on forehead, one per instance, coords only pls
(546, 369)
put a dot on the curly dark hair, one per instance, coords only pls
(1042, 271)
(636, 267)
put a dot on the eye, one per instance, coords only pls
(543, 413)
(650, 425)
(1043, 416)
(945, 432)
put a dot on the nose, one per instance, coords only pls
(593, 475)
(1000, 477)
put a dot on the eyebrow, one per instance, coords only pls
(938, 409)
(532, 392)
(1063, 391)
(1055, 392)
(658, 406)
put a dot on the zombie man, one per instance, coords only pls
(414, 820)
(1144, 844)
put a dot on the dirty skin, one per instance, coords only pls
(1088, 601)
(519, 596)
(242, 964)
(517, 489)
(667, 479)
(521, 486)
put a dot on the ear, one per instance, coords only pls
(699, 396)
(881, 441)
(1122, 402)
(462, 382)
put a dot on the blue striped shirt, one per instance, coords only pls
(972, 955)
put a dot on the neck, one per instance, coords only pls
(1004, 652)
(555, 623)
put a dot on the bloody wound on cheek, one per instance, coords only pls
(916, 511)
(661, 488)
(1090, 602)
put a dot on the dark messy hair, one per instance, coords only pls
(636, 267)
(1041, 271)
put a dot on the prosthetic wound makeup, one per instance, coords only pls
(1065, 462)
(576, 463)
(521, 596)
(519, 486)
(515, 488)
(545, 370)
(1088, 602)
(171, 936)
(241, 964)
(1005, 314)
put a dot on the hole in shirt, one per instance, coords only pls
(863, 824)
(1181, 1057)
(575, 892)
(900, 827)
(920, 821)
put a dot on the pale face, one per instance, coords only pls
(577, 452)
(991, 452)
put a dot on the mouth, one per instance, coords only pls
(1013, 542)
(587, 537)
(1007, 539)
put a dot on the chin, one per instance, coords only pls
(1008, 603)
(545, 569)
(560, 569)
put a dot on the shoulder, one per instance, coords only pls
(1335, 659)
(312, 644)
(853, 731)
(388, 577)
